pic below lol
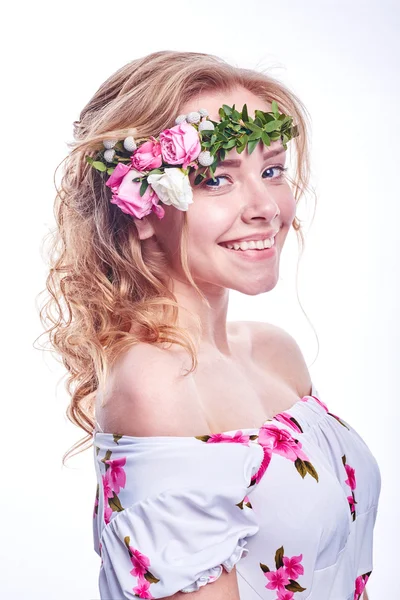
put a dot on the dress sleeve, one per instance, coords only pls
(174, 512)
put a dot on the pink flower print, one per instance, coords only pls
(238, 438)
(360, 586)
(107, 514)
(142, 589)
(140, 563)
(116, 473)
(324, 406)
(107, 487)
(293, 567)
(285, 595)
(277, 579)
(351, 474)
(96, 504)
(352, 503)
(281, 442)
(286, 419)
(264, 465)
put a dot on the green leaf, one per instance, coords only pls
(198, 179)
(240, 149)
(275, 108)
(115, 503)
(256, 135)
(293, 586)
(213, 138)
(300, 466)
(245, 116)
(99, 166)
(110, 170)
(235, 115)
(221, 113)
(253, 127)
(89, 159)
(265, 138)
(260, 116)
(143, 187)
(264, 568)
(230, 144)
(311, 470)
(227, 110)
(222, 154)
(272, 126)
(251, 145)
(279, 557)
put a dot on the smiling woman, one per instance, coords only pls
(218, 465)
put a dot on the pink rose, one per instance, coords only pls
(147, 156)
(180, 144)
(126, 193)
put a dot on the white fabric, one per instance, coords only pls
(179, 500)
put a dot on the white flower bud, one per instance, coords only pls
(206, 125)
(109, 155)
(203, 112)
(193, 117)
(108, 144)
(129, 144)
(205, 158)
(179, 119)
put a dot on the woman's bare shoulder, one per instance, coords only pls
(148, 395)
(275, 349)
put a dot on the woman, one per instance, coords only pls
(227, 473)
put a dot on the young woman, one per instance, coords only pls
(219, 468)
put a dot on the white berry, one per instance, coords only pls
(109, 155)
(179, 119)
(206, 125)
(129, 144)
(203, 112)
(108, 144)
(193, 117)
(205, 158)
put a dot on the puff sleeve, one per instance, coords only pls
(171, 512)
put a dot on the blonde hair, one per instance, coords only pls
(102, 279)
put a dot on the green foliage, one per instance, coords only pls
(236, 129)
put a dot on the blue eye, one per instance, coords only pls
(210, 183)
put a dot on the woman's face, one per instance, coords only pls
(250, 196)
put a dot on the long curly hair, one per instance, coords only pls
(107, 290)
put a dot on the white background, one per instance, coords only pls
(342, 59)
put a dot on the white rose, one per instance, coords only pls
(172, 187)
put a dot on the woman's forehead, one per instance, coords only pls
(213, 101)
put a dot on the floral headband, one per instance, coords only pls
(147, 171)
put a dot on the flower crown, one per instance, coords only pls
(147, 171)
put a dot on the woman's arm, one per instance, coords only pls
(365, 595)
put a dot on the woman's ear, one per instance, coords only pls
(144, 227)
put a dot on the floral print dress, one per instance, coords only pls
(291, 505)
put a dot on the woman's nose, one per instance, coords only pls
(259, 198)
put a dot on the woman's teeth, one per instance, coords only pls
(251, 245)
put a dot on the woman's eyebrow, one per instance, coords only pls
(236, 162)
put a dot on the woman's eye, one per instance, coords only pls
(215, 183)
(212, 183)
(278, 168)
